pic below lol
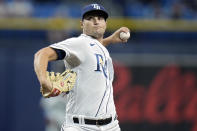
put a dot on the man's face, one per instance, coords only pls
(94, 25)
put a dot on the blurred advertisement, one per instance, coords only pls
(156, 98)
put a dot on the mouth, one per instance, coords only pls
(97, 27)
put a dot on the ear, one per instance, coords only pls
(81, 23)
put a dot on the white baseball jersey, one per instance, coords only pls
(92, 95)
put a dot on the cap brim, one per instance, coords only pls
(103, 13)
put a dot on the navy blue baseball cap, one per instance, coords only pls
(94, 8)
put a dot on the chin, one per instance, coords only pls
(98, 34)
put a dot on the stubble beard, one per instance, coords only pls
(97, 34)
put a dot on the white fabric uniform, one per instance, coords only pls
(92, 96)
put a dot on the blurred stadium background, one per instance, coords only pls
(156, 71)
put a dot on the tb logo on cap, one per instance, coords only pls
(96, 6)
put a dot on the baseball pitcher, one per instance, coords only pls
(87, 82)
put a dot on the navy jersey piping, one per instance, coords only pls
(106, 84)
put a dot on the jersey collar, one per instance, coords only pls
(87, 36)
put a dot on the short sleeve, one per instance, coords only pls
(73, 49)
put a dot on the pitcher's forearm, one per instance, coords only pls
(40, 65)
(41, 59)
(107, 41)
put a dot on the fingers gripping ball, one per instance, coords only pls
(124, 36)
(60, 83)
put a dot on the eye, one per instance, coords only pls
(100, 18)
(88, 17)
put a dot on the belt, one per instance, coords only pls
(94, 122)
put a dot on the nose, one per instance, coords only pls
(96, 20)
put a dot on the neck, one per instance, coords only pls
(100, 40)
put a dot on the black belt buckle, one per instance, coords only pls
(100, 122)
(97, 122)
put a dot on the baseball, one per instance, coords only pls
(124, 36)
